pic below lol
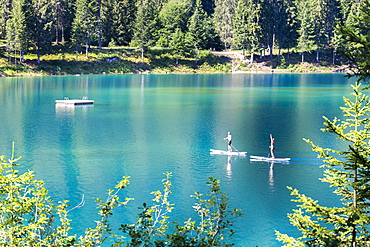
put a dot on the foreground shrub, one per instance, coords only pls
(29, 217)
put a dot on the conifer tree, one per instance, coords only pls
(5, 8)
(320, 22)
(84, 24)
(306, 30)
(62, 12)
(356, 42)
(118, 21)
(268, 25)
(16, 29)
(286, 25)
(247, 26)
(349, 173)
(199, 29)
(334, 19)
(178, 43)
(223, 18)
(39, 26)
(173, 16)
(146, 22)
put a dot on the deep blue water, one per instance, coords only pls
(144, 125)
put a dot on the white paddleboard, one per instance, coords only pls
(261, 158)
(222, 152)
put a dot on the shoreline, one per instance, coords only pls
(116, 64)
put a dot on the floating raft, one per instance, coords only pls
(67, 101)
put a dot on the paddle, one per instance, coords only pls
(232, 146)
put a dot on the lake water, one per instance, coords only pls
(145, 125)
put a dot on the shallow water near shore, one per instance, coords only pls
(145, 125)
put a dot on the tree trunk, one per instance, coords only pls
(87, 45)
(99, 25)
(56, 34)
(272, 45)
(334, 53)
(87, 50)
(62, 27)
(21, 56)
(317, 55)
(354, 241)
(142, 54)
(38, 56)
(196, 55)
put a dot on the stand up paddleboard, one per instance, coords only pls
(230, 146)
(261, 158)
(272, 157)
(222, 152)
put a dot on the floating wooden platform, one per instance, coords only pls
(75, 102)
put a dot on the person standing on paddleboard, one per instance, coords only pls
(229, 139)
(272, 148)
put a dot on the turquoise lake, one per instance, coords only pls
(145, 125)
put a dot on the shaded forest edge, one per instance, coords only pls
(63, 60)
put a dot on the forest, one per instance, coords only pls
(256, 27)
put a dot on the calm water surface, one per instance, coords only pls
(144, 125)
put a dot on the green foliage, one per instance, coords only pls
(282, 64)
(178, 43)
(356, 42)
(349, 173)
(247, 26)
(16, 32)
(29, 217)
(35, 26)
(174, 15)
(84, 24)
(26, 210)
(223, 19)
(154, 229)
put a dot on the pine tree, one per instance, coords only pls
(349, 172)
(334, 18)
(173, 16)
(146, 24)
(16, 29)
(356, 42)
(306, 30)
(223, 18)
(117, 21)
(5, 9)
(268, 23)
(178, 43)
(320, 13)
(84, 24)
(62, 18)
(247, 26)
(286, 25)
(39, 26)
(199, 29)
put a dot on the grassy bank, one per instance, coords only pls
(121, 60)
